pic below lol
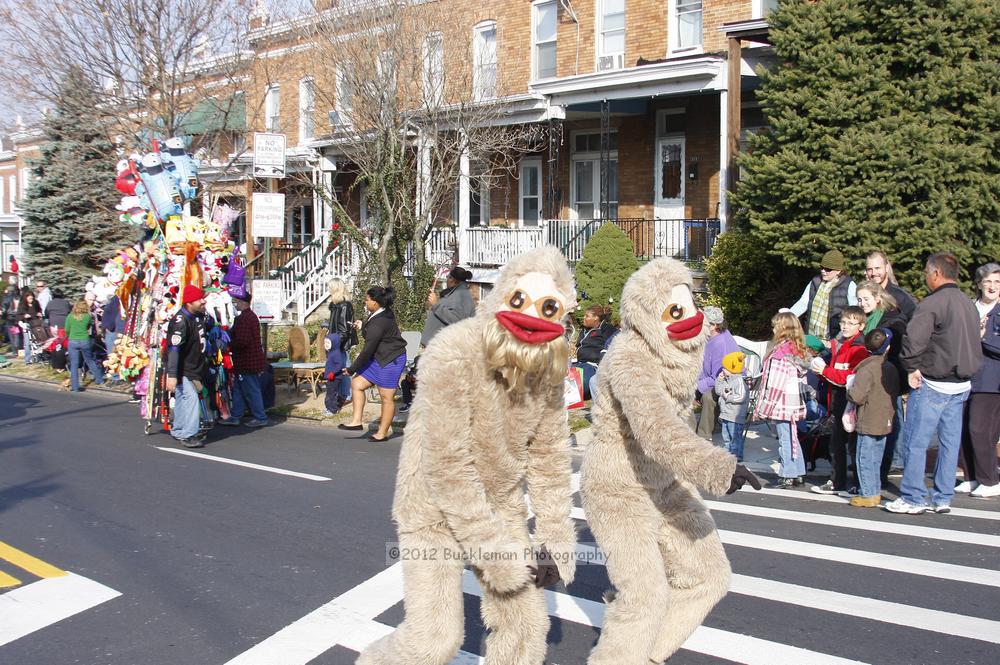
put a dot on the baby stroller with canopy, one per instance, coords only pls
(35, 340)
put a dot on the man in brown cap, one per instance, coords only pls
(826, 296)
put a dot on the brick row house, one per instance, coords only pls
(15, 174)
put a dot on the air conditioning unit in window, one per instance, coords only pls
(609, 62)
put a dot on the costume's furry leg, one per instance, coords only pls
(627, 532)
(434, 626)
(518, 625)
(697, 569)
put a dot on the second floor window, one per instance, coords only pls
(545, 24)
(272, 106)
(484, 71)
(307, 106)
(345, 94)
(434, 70)
(687, 26)
(612, 27)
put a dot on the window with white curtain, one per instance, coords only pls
(433, 70)
(272, 108)
(484, 71)
(685, 24)
(344, 100)
(307, 108)
(544, 26)
(611, 27)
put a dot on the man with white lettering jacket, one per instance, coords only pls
(941, 352)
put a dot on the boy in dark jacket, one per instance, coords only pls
(874, 389)
(334, 372)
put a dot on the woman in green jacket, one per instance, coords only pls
(78, 325)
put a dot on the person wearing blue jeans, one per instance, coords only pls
(187, 412)
(941, 351)
(793, 463)
(247, 396)
(80, 350)
(186, 366)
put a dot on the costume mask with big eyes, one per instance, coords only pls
(680, 317)
(532, 310)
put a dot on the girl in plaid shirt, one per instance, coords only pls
(780, 400)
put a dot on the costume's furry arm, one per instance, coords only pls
(657, 426)
(549, 472)
(452, 478)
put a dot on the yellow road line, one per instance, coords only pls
(24, 560)
(8, 581)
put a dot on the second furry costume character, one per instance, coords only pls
(488, 417)
(642, 473)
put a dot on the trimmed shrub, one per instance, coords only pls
(608, 261)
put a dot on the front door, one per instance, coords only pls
(668, 229)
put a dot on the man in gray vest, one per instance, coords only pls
(826, 296)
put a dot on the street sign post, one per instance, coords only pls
(266, 303)
(268, 155)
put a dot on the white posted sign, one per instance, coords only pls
(268, 155)
(266, 302)
(267, 215)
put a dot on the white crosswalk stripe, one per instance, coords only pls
(352, 619)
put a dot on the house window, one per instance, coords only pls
(272, 105)
(484, 71)
(585, 175)
(479, 202)
(530, 186)
(611, 34)
(301, 230)
(25, 181)
(685, 24)
(763, 8)
(544, 37)
(2, 182)
(12, 192)
(434, 70)
(307, 106)
(345, 94)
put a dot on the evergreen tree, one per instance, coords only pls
(885, 123)
(71, 228)
(607, 263)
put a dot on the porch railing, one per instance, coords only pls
(440, 249)
(494, 246)
(683, 239)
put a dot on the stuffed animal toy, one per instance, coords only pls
(488, 417)
(127, 178)
(182, 166)
(642, 474)
(159, 187)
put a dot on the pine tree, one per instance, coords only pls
(607, 263)
(885, 122)
(71, 228)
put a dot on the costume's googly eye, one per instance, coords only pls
(517, 300)
(550, 308)
(675, 312)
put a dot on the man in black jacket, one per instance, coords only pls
(186, 366)
(941, 352)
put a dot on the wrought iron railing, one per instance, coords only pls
(683, 239)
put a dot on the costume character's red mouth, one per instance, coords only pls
(687, 328)
(529, 329)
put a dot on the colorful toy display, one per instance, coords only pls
(179, 249)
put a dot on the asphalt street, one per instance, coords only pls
(181, 558)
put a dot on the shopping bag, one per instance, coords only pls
(573, 388)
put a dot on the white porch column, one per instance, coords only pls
(463, 205)
(723, 158)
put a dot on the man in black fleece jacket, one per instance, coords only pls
(941, 352)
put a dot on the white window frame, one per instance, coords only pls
(758, 8)
(433, 70)
(484, 200)
(25, 181)
(673, 31)
(529, 162)
(12, 192)
(307, 109)
(272, 108)
(344, 102)
(300, 237)
(588, 156)
(599, 32)
(479, 92)
(535, 8)
(3, 189)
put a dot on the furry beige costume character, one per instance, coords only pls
(489, 416)
(642, 472)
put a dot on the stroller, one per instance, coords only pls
(36, 339)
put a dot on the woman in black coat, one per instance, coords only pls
(29, 311)
(342, 322)
(380, 363)
(592, 343)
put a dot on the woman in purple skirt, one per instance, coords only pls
(380, 363)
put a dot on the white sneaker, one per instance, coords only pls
(966, 486)
(901, 506)
(986, 491)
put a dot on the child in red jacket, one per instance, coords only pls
(847, 350)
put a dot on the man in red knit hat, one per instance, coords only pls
(186, 366)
